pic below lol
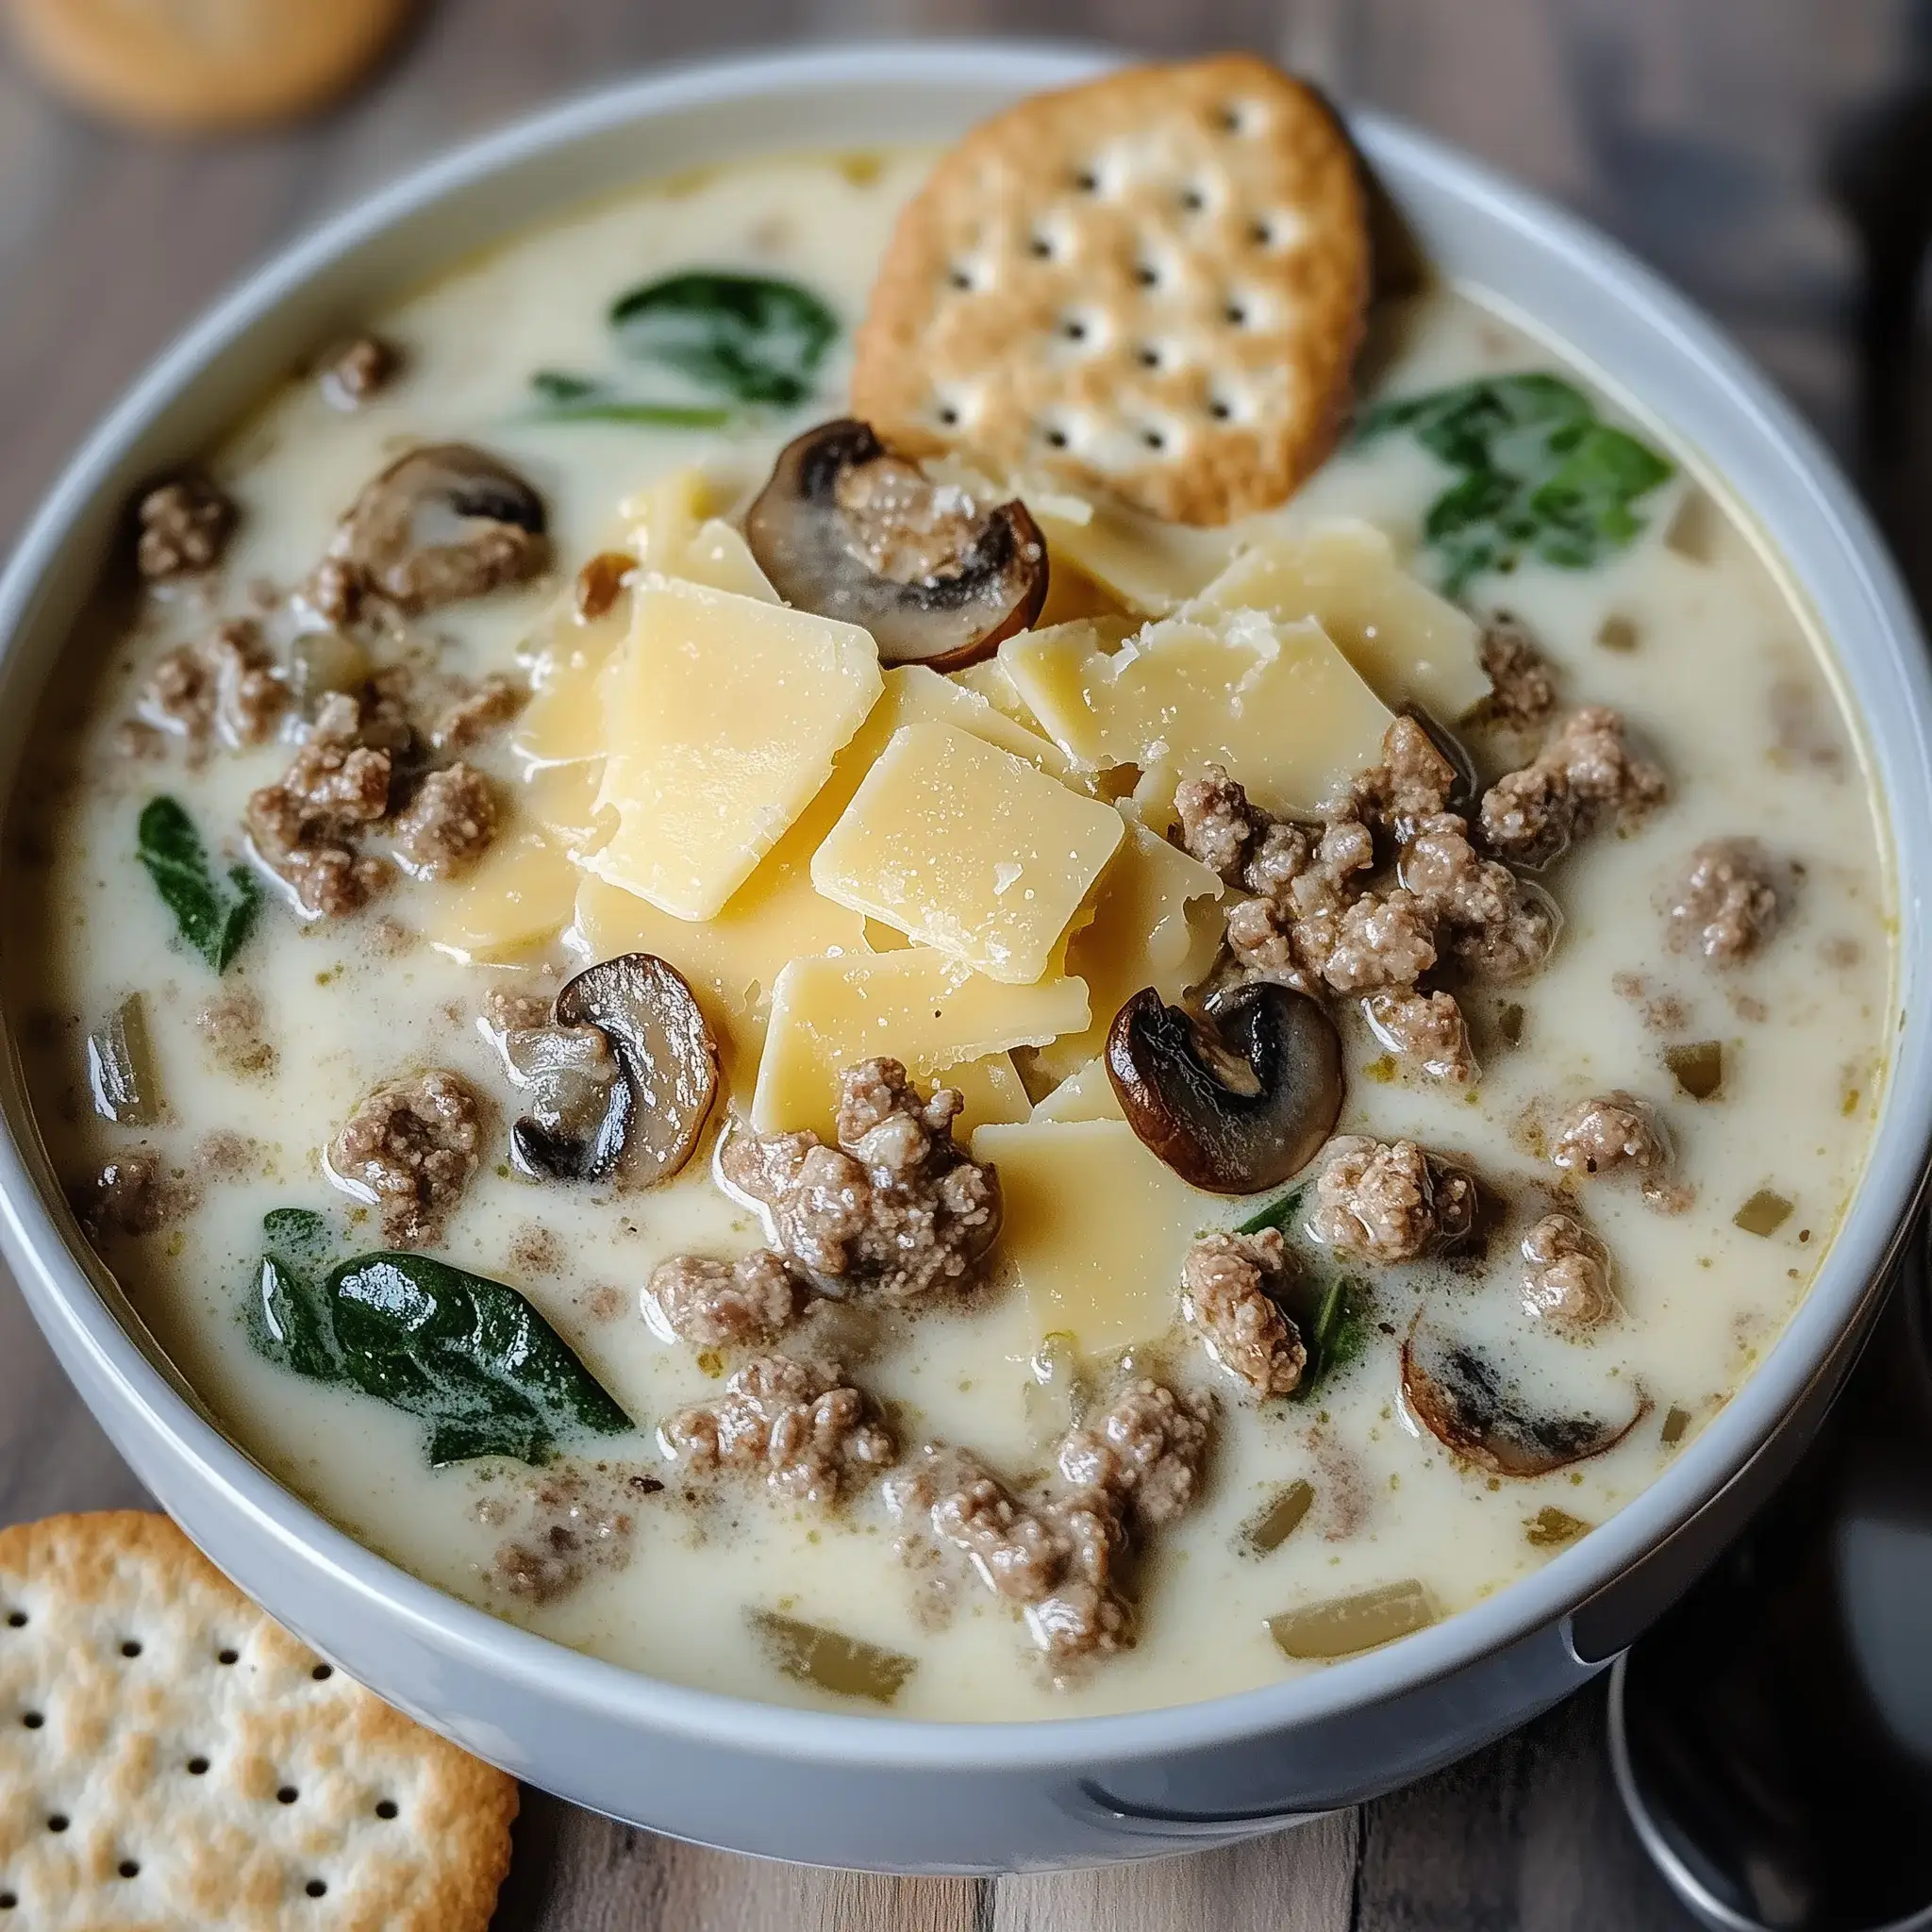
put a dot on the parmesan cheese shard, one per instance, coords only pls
(1149, 566)
(1087, 1095)
(921, 1007)
(968, 848)
(1153, 925)
(1410, 644)
(1277, 705)
(1095, 1228)
(993, 1090)
(721, 721)
(523, 890)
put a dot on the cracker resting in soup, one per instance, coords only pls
(902, 1146)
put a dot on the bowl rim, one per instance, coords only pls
(64, 1299)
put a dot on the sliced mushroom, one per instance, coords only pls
(669, 1059)
(581, 1103)
(444, 522)
(1237, 1103)
(1462, 1396)
(849, 531)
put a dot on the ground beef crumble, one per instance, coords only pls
(232, 1023)
(1566, 1280)
(711, 1303)
(130, 1195)
(896, 1209)
(1613, 1133)
(306, 826)
(357, 371)
(223, 689)
(1230, 1289)
(185, 527)
(578, 1522)
(1522, 694)
(479, 715)
(809, 1434)
(1587, 774)
(1726, 904)
(1389, 1200)
(448, 822)
(412, 1146)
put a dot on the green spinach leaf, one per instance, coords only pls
(467, 1356)
(1540, 474)
(751, 337)
(1279, 1213)
(213, 916)
(567, 398)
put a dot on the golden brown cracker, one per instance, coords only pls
(172, 1760)
(1152, 285)
(195, 66)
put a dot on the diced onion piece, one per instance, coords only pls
(120, 1068)
(1550, 1529)
(1764, 1214)
(1343, 1625)
(1270, 1527)
(847, 1666)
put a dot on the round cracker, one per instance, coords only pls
(1152, 285)
(196, 66)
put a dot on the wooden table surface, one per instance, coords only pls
(1692, 128)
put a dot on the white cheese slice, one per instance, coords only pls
(1095, 1228)
(966, 847)
(993, 1092)
(721, 721)
(522, 892)
(1148, 566)
(918, 1007)
(1087, 1095)
(1277, 705)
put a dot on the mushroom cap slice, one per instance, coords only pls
(670, 1060)
(580, 1099)
(445, 522)
(847, 529)
(1461, 1394)
(1234, 1105)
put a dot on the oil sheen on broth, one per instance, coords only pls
(1686, 630)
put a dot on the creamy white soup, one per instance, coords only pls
(523, 804)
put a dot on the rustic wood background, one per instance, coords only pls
(1697, 130)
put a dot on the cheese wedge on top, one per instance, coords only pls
(721, 721)
(917, 1005)
(968, 848)
(1277, 705)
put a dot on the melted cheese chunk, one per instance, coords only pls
(721, 720)
(1095, 1228)
(1141, 933)
(1087, 1095)
(993, 1092)
(1145, 565)
(1408, 643)
(918, 1007)
(1278, 705)
(521, 892)
(966, 847)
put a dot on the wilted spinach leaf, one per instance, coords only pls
(1330, 1311)
(214, 918)
(748, 337)
(568, 398)
(1542, 474)
(1279, 1213)
(468, 1355)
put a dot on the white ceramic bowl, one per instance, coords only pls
(859, 1791)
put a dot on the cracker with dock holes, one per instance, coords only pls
(1153, 285)
(171, 1761)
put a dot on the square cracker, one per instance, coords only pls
(171, 1761)
(1153, 285)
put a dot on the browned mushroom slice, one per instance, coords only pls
(581, 1102)
(670, 1060)
(849, 531)
(445, 522)
(1238, 1102)
(1472, 1404)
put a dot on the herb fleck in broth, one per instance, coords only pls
(1697, 645)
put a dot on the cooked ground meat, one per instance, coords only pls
(306, 828)
(334, 590)
(127, 1196)
(1521, 691)
(1427, 1029)
(231, 1022)
(1586, 774)
(357, 371)
(1567, 1279)
(1217, 824)
(447, 824)
(1146, 1447)
(1727, 903)
(896, 1209)
(1414, 781)
(713, 1304)
(511, 1009)
(184, 527)
(1495, 926)
(578, 1522)
(412, 1146)
(808, 1434)
(1614, 1132)
(485, 710)
(1389, 1201)
(1230, 1288)
(223, 689)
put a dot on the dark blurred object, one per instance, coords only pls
(201, 66)
(1772, 1737)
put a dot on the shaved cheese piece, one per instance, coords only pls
(722, 717)
(1278, 705)
(563, 723)
(918, 1007)
(1149, 927)
(1094, 1230)
(1146, 565)
(562, 801)
(993, 1092)
(521, 892)
(915, 693)
(1087, 1095)
(1410, 644)
(718, 555)
(665, 515)
(968, 848)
